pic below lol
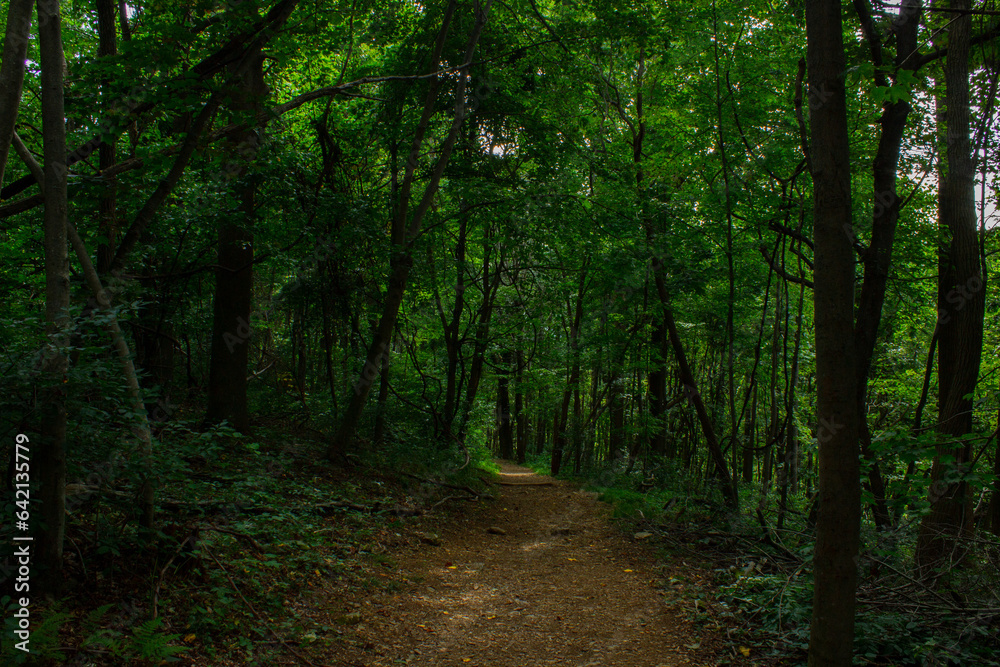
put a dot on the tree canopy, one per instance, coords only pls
(733, 252)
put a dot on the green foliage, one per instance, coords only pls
(144, 642)
(559, 209)
(43, 642)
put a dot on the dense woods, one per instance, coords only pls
(727, 263)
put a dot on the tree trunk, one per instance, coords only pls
(749, 431)
(577, 429)
(406, 226)
(540, 434)
(108, 224)
(227, 379)
(831, 638)
(382, 402)
(154, 345)
(730, 265)
(505, 431)
(657, 380)
(792, 458)
(961, 304)
(995, 496)
(484, 317)
(559, 442)
(327, 313)
(452, 329)
(616, 409)
(885, 216)
(520, 421)
(788, 475)
(15, 50)
(146, 492)
(50, 455)
(729, 492)
(774, 423)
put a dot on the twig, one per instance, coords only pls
(444, 484)
(236, 533)
(159, 579)
(447, 498)
(781, 272)
(262, 371)
(298, 655)
(525, 483)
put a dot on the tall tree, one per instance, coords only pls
(107, 46)
(877, 257)
(15, 50)
(406, 224)
(831, 637)
(227, 380)
(961, 304)
(50, 456)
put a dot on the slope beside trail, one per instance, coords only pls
(539, 576)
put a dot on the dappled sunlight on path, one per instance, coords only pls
(538, 577)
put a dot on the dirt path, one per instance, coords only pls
(537, 577)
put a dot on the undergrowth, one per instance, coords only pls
(246, 526)
(762, 576)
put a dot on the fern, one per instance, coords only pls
(43, 641)
(150, 644)
(97, 637)
(92, 622)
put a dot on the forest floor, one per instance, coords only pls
(538, 576)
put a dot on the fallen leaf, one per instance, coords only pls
(350, 619)
(745, 651)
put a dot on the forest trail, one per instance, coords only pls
(539, 576)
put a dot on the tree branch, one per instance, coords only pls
(784, 274)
